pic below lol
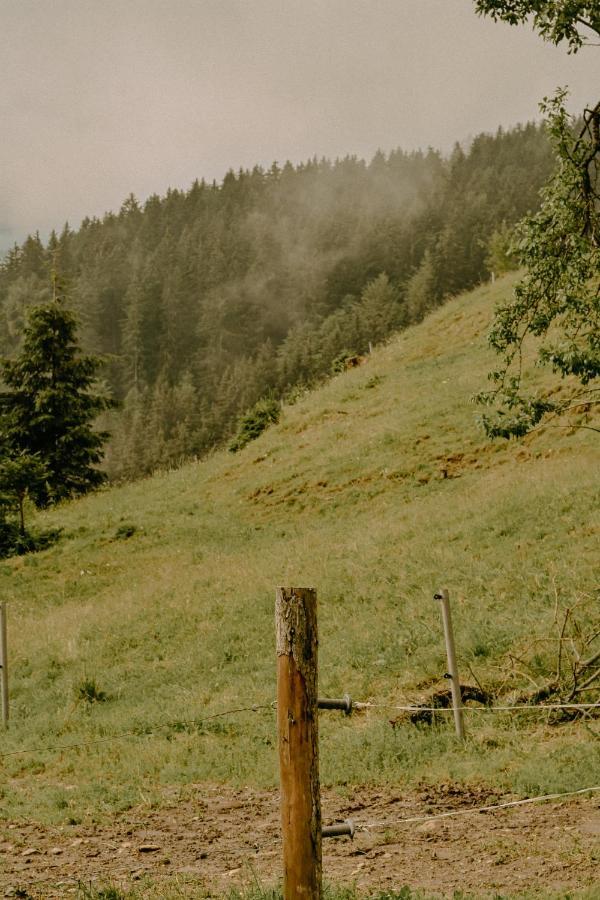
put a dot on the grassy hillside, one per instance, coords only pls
(158, 601)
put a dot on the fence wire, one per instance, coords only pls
(542, 707)
(358, 705)
(475, 809)
(141, 731)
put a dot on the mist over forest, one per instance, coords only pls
(204, 301)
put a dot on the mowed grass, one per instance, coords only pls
(156, 607)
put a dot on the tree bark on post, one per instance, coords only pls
(297, 727)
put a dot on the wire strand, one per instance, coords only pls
(142, 731)
(448, 709)
(475, 809)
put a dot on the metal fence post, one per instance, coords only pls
(443, 596)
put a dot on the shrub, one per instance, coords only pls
(127, 530)
(340, 363)
(13, 542)
(252, 424)
(89, 692)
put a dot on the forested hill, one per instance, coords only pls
(204, 301)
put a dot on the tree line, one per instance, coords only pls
(205, 301)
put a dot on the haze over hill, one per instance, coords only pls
(206, 300)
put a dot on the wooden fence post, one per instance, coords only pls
(297, 727)
(3, 663)
(444, 598)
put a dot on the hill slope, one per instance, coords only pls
(374, 489)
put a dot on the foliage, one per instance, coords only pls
(47, 410)
(380, 310)
(264, 413)
(125, 531)
(11, 539)
(341, 361)
(556, 20)
(421, 293)
(20, 474)
(500, 257)
(89, 692)
(558, 300)
(14, 542)
(556, 307)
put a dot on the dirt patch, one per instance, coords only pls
(218, 838)
(270, 495)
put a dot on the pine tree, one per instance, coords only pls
(49, 405)
(380, 309)
(421, 290)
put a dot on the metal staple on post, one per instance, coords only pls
(4, 663)
(443, 596)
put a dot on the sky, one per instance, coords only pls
(102, 98)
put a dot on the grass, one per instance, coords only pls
(158, 600)
(330, 892)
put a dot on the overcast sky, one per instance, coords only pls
(99, 98)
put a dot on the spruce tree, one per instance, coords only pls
(49, 404)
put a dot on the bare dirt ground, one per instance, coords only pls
(218, 838)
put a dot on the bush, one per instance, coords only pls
(252, 424)
(14, 543)
(501, 257)
(89, 692)
(340, 363)
(124, 531)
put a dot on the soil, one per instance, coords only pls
(217, 838)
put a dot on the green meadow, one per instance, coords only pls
(154, 611)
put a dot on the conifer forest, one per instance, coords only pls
(207, 301)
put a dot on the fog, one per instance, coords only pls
(100, 99)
